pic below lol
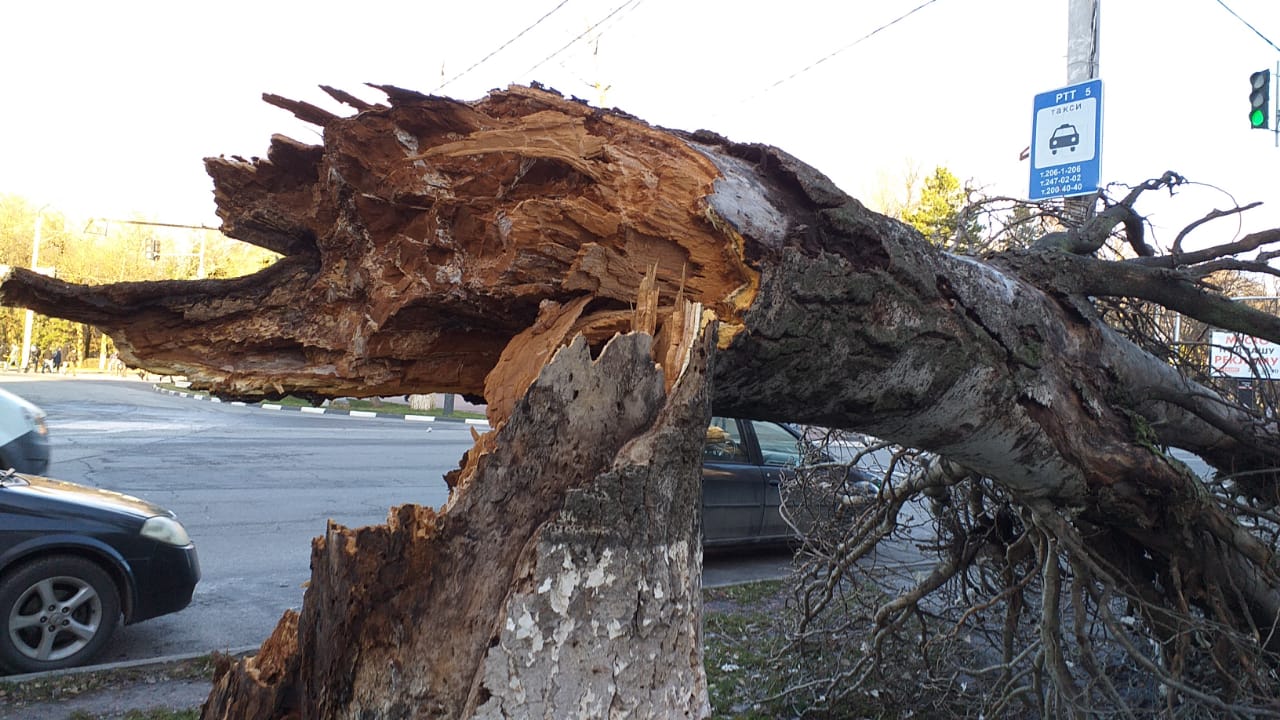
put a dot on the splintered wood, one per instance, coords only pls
(531, 349)
(420, 240)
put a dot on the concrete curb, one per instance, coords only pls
(479, 424)
(124, 665)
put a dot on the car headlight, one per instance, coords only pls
(166, 530)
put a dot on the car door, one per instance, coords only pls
(779, 450)
(732, 486)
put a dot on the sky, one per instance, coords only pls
(109, 108)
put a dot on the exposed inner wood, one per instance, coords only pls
(420, 240)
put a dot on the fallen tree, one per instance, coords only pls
(435, 245)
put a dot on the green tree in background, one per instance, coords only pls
(100, 251)
(940, 214)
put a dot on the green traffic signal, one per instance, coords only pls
(1259, 99)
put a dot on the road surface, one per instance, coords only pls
(253, 487)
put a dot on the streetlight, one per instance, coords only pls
(35, 262)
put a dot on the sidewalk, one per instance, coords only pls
(15, 374)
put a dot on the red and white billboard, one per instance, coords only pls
(1243, 356)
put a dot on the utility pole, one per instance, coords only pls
(30, 318)
(1082, 40)
(1083, 21)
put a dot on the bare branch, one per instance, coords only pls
(1089, 238)
(1248, 243)
(1173, 289)
(1213, 215)
(1209, 268)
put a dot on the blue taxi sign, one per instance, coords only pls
(1066, 141)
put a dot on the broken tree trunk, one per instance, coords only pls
(434, 245)
(563, 579)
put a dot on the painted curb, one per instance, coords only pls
(481, 424)
(124, 665)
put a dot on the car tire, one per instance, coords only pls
(55, 612)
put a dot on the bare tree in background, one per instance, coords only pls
(935, 589)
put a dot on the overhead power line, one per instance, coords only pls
(598, 23)
(1246, 24)
(746, 99)
(504, 45)
(868, 36)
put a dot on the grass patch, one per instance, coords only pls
(389, 408)
(750, 663)
(742, 636)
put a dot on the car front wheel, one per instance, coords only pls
(55, 612)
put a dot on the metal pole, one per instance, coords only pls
(30, 319)
(1083, 21)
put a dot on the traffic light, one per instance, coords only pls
(1259, 99)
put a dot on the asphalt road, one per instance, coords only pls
(253, 487)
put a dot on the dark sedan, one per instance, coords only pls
(74, 562)
(744, 464)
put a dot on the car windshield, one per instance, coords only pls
(777, 446)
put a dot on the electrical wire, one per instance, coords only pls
(602, 26)
(868, 36)
(503, 46)
(1246, 24)
(810, 66)
(615, 11)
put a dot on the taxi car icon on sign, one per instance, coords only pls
(1065, 136)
